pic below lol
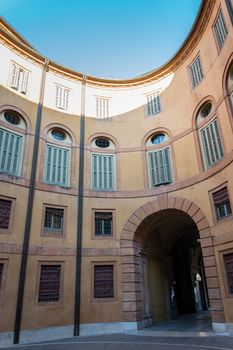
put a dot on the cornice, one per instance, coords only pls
(15, 41)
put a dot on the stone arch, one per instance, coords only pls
(131, 289)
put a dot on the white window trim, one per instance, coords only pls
(18, 78)
(62, 98)
(102, 107)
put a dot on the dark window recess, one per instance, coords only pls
(102, 142)
(12, 117)
(1, 273)
(103, 281)
(5, 213)
(103, 224)
(53, 220)
(228, 260)
(222, 203)
(49, 289)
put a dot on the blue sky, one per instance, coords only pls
(105, 38)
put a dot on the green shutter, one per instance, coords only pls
(57, 166)
(102, 172)
(159, 163)
(10, 151)
(211, 144)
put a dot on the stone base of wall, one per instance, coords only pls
(226, 328)
(54, 333)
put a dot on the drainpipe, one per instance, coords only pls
(23, 266)
(80, 215)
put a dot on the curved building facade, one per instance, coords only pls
(116, 195)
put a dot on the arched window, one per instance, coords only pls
(159, 160)
(209, 135)
(57, 160)
(103, 177)
(230, 84)
(12, 131)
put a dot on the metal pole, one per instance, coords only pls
(23, 266)
(80, 215)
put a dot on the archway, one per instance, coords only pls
(158, 282)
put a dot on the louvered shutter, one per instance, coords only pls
(211, 142)
(24, 82)
(102, 172)
(10, 151)
(14, 76)
(160, 167)
(220, 30)
(57, 166)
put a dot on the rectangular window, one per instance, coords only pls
(228, 262)
(211, 143)
(196, 72)
(19, 78)
(57, 166)
(220, 30)
(62, 97)
(102, 108)
(103, 224)
(153, 104)
(103, 281)
(54, 221)
(103, 172)
(222, 203)
(10, 151)
(49, 284)
(160, 169)
(5, 214)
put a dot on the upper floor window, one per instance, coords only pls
(62, 97)
(211, 143)
(11, 142)
(222, 203)
(57, 161)
(103, 164)
(196, 72)
(102, 108)
(53, 221)
(228, 262)
(153, 104)
(159, 160)
(220, 30)
(19, 78)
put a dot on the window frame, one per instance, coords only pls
(22, 150)
(104, 154)
(99, 110)
(201, 127)
(157, 95)
(228, 295)
(220, 12)
(12, 211)
(69, 158)
(65, 97)
(54, 235)
(113, 212)
(61, 286)
(24, 84)
(197, 57)
(149, 170)
(5, 263)
(216, 189)
(105, 263)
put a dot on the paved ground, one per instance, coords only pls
(134, 342)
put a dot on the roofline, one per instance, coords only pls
(201, 20)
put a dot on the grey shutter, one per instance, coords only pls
(24, 83)
(102, 172)
(211, 142)
(160, 167)
(10, 151)
(57, 166)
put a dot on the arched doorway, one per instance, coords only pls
(166, 250)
